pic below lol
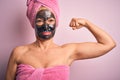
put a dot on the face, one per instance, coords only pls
(45, 24)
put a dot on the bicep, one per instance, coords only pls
(89, 50)
(11, 69)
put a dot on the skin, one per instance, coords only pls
(45, 23)
(45, 53)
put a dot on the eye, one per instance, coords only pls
(39, 21)
(51, 20)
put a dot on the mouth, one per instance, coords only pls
(46, 33)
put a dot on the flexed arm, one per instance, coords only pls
(88, 50)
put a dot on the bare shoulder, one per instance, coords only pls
(18, 51)
(69, 47)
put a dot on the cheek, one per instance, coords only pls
(53, 23)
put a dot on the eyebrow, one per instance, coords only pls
(43, 18)
(51, 18)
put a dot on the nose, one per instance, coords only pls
(46, 27)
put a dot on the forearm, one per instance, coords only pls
(101, 36)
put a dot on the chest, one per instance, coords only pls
(49, 57)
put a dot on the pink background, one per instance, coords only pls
(15, 30)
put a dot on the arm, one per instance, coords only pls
(11, 68)
(88, 50)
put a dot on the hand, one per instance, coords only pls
(77, 23)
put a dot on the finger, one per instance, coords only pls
(70, 24)
(73, 28)
(77, 24)
(73, 24)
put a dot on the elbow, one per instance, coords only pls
(109, 46)
(112, 45)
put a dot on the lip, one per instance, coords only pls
(46, 33)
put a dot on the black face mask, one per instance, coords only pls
(46, 30)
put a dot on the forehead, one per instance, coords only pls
(44, 12)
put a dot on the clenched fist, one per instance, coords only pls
(77, 23)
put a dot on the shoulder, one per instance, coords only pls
(69, 47)
(72, 48)
(77, 45)
(18, 51)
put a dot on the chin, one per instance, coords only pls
(45, 38)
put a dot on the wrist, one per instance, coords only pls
(88, 23)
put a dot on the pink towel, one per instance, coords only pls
(27, 72)
(34, 5)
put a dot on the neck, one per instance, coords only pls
(44, 44)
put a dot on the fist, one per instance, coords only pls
(77, 23)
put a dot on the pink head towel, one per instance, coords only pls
(34, 5)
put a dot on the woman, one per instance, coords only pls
(45, 60)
